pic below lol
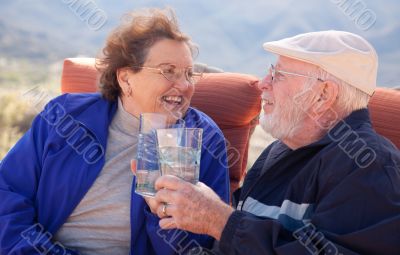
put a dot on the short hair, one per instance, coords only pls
(349, 98)
(128, 45)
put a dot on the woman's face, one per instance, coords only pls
(151, 91)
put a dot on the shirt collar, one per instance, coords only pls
(124, 121)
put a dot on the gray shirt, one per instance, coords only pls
(100, 224)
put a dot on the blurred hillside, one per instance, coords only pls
(229, 33)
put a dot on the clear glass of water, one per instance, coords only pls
(179, 151)
(147, 164)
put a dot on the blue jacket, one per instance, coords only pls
(339, 195)
(47, 173)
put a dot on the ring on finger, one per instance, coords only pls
(164, 210)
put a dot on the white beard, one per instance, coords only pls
(284, 122)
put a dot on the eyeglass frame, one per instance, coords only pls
(161, 71)
(272, 71)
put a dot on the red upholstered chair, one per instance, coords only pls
(232, 100)
(384, 108)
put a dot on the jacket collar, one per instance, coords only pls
(97, 118)
(351, 122)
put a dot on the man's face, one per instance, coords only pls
(283, 116)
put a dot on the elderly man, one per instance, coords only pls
(329, 185)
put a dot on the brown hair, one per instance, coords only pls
(128, 45)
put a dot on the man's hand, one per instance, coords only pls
(195, 208)
(151, 202)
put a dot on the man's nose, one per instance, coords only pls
(266, 83)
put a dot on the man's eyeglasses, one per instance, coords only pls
(274, 74)
(174, 74)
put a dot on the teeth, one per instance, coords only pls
(267, 101)
(173, 99)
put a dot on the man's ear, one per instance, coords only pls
(328, 92)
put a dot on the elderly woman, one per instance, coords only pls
(66, 186)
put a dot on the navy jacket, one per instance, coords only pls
(47, 173)
(339, 195)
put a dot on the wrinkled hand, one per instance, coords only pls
(195, 208)
(151, 202)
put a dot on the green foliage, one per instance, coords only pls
(25, 86)
(8, 137)
(15, 119)
(21, 72)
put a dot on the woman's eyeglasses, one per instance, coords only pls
(174, 74)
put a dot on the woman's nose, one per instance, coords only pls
(181, 82)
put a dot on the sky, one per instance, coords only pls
(229, 34)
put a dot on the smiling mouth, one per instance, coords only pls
(174, 100)
(268, 102)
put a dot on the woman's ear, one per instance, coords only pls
(123, 75)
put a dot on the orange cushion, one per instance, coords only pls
(231, 100)
(79, 75)
(384, 107)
